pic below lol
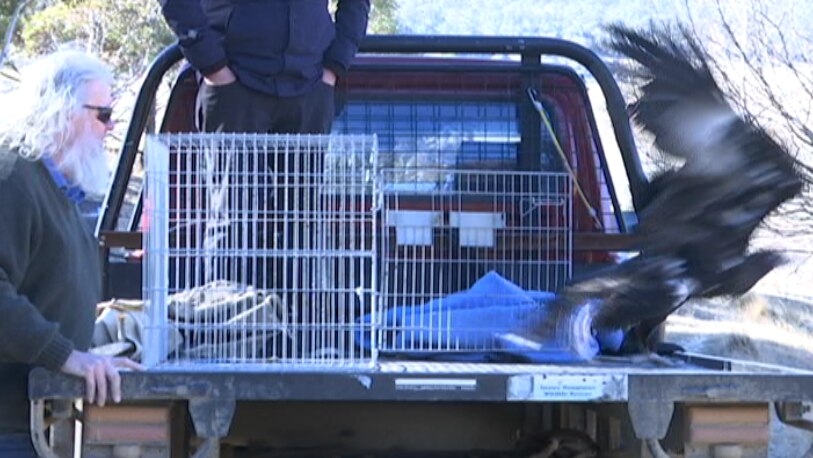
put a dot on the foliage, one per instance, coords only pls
(382, 16)
(11, 22)
(761, 50)
(383, 19)
(7, 8)
(125, 33)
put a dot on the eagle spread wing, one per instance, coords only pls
(697, 219)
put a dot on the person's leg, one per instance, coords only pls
(319, 109)
(299, 168)
(309, 113)
(16, 446)
(231, 108)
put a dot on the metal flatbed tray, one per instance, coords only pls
(692, 378)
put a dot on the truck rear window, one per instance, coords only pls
(468, 135)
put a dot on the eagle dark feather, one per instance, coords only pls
(697, 219)
(733, 175)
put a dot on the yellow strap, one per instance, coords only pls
(590, 209)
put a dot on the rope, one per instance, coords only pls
(579, 191)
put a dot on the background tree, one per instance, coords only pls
(7, 10)
(127, 34)
(383, 18)
(10, 14)
(762, 51)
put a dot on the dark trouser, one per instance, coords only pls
(270, 202)
(262, 231)
(236, 108)
(16, 446)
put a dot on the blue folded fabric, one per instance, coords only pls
(488, 322)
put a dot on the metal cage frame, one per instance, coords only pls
(469, 254)
(258, 249)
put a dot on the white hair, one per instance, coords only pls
(83, 162)
(52, 91)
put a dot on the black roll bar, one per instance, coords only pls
(529, 48)
(111, 207)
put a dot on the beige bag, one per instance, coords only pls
(119, 328)
(227, 309)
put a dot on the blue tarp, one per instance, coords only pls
(488, 322)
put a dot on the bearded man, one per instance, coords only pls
(51, 158)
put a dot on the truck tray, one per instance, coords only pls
(690, 378)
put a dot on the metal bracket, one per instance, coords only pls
(655, 448)
(38, 428)
(62, 426)
(210, 448)
(212, 419)
(650, 419)
(796, 414)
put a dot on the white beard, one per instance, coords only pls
(85, 165)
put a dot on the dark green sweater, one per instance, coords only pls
(50, 282)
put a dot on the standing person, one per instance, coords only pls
(51, 156)
(267, 65)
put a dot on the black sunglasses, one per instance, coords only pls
(103, 114)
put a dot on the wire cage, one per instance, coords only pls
(259, 249)
(468, 255)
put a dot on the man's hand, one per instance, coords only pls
(221, 77)
(329, 77)
(100, 373)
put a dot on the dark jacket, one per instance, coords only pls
(50, 282)
(279, 47)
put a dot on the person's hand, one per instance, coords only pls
(100, 373)
(329, 77)
(221, 77)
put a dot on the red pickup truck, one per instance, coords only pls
(434, 103)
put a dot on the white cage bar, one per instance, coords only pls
(260, 249)
(466, 253)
